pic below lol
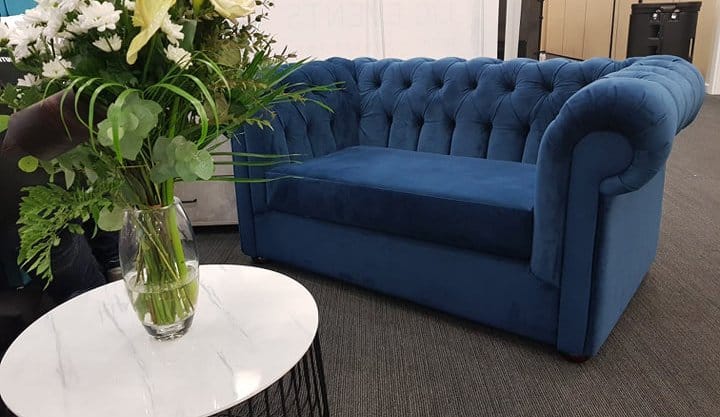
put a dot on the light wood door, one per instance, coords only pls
(574, 33)
(598, 29)
(555, 24)
(578, 28)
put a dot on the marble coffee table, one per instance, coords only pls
(252, 351)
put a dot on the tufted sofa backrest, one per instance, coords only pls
(483, 108)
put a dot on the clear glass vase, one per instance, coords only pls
(159, 263)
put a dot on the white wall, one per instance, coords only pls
(713, 76)
(512, 28)
(386, 28)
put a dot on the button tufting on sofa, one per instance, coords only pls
(544, 226)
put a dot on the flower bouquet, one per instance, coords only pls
(120, 100)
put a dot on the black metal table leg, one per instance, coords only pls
(302, 392)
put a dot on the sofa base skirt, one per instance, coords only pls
(496, 291)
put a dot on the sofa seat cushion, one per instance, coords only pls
(472, 203)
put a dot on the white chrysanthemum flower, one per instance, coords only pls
(55, 21)
(21, 52)
(4, 31)
(62, 46)
(51, 14)
(68, 5)
(111, 44)
(29, 80)
(24, 32)
(38, 14)
(22, 36)
(130, 5)
(95, 15)
(56, 68)
(65, 35)
(178, 55)
(172, 31)
(40, 46)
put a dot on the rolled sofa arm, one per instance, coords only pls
(643, 105)
(302, 129)
(251, 197)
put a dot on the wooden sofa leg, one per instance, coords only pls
(259, 260)
(575, 358)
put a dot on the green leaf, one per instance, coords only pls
(111, 220)
(230, 178)
(189, 29)
(76, 228)
(202, 164)
(91, 175)
(47, 210)
(256, 155)
(130, 122)
(184, 152)
(164, 167)
(9, 94)
(93, 100)
(69, 177)
(28, 163)
(4, 121)
(196, 104)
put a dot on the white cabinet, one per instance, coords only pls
(210, 203)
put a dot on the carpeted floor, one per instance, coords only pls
(386, 357)
(389, 358)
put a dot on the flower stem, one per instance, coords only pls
(173, 230)
(148, 60)
(168, 296)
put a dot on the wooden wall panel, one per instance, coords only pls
(543, 32)
(598, 27)
(598, 15)
(574, 31)
(555, 26)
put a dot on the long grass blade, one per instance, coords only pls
(196, 104)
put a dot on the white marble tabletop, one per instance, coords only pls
(91, 356)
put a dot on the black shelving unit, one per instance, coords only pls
(663, 28)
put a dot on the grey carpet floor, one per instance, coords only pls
(386, 357)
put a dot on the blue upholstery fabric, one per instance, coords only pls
(15, 7)
(628, 230)
(647, 103)
(470, 203)
(483, 107)
(594, 135)
(493, 290)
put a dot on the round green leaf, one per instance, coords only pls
(28, 164)
(4, 121)
(202, 165)
(110, 220)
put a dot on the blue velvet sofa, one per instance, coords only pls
(15, 7)
(523, 195)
